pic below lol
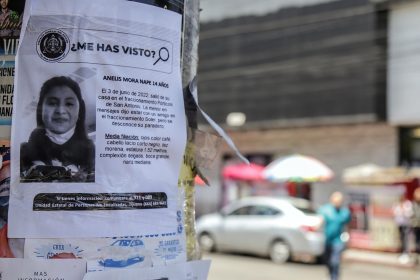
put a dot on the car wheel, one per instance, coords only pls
(279, 252)
(207, 242)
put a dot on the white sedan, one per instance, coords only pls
(276, 227)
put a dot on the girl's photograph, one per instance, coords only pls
(59, 149)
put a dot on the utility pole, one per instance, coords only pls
(188, 170)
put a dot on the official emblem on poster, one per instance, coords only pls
(53, 45)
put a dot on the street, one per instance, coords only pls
(239, 267)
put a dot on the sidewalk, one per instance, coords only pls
(381, 258)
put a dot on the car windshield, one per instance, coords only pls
(121, 243)
(302, 205)
(306, 210)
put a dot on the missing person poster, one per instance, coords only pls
(98, 126)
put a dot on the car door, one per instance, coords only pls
(249, 229)
(260, 228)
(232, 228)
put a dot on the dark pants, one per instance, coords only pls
(416, 231)
(333, 259)
(404, 235)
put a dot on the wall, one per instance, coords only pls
(404, 64)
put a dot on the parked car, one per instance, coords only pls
(276, 227)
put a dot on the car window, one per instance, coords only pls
(258, 210)
(261, 210)
(241, 211)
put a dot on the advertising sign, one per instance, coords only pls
(10, 25)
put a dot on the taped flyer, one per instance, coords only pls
(99, 127)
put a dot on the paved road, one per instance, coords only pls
(238, 267)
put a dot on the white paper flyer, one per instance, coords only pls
(104, 254)
(16, 269)
(98, 126)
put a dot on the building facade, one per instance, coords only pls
(318, 78)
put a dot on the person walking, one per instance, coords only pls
(415, 221)
(336, 217)
(402, 215)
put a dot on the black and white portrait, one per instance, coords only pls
(59, 148)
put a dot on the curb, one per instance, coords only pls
(377, 259)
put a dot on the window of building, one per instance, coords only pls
(409, 146)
